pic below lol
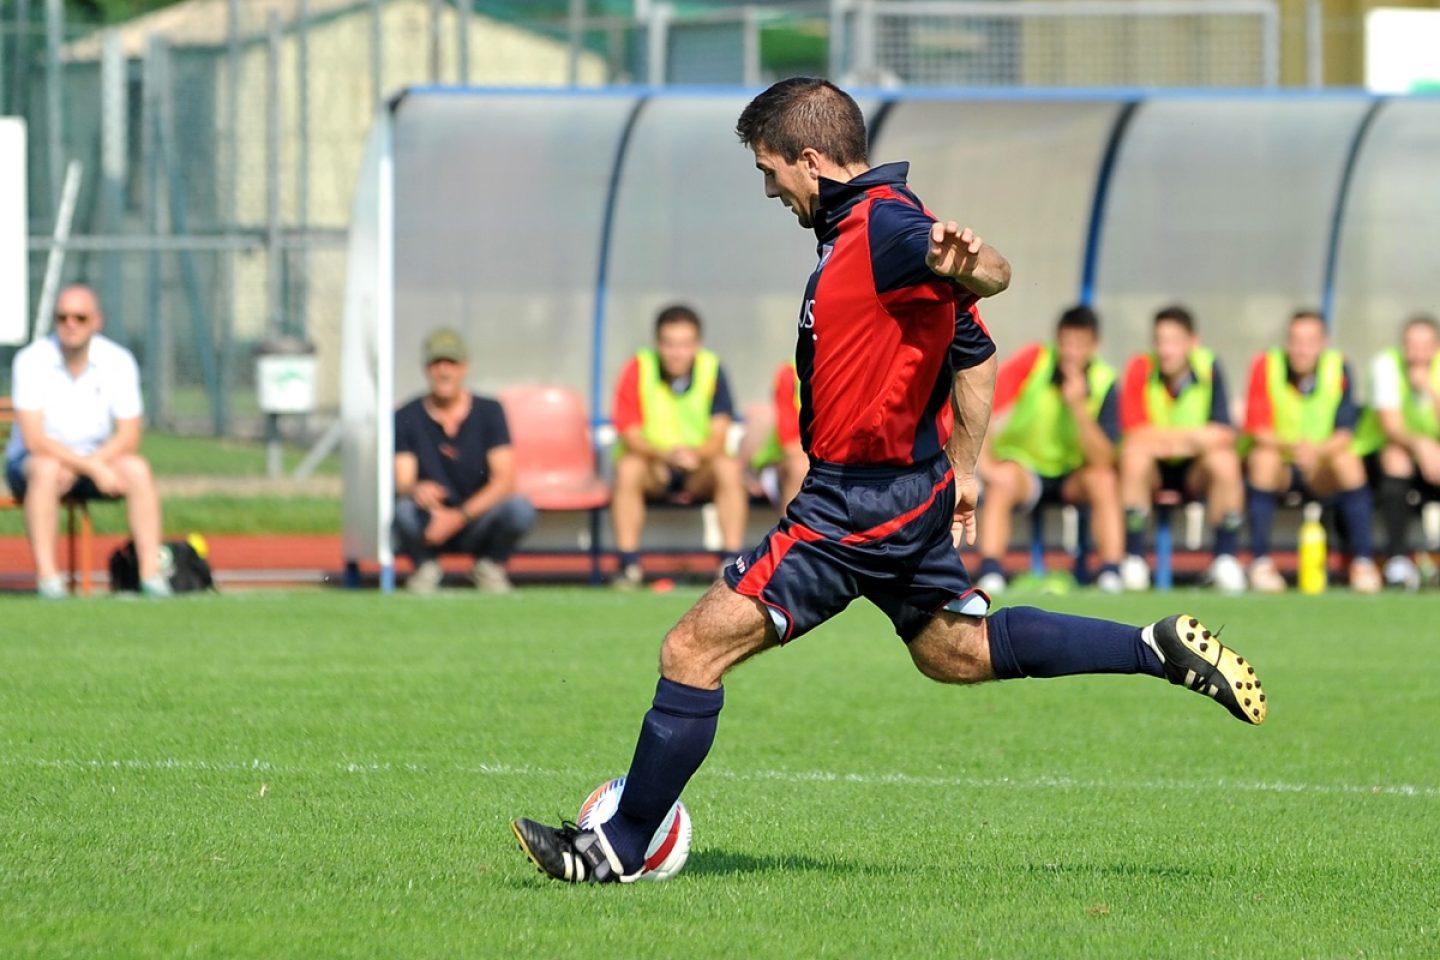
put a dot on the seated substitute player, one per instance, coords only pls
(455, 475)
(1056, 445)
(673, 412)
(782, 451)
(1400, 436)
(1299, 427)
(1177, 437)
(77, 433)
(891, 356)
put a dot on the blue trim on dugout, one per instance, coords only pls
(1076, 94)
(602, 270)
(1094, 234)
(1337, 218)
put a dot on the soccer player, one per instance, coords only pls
(1056, 445)
(1400, 436)
(781, 462)
(1175, 424)
(896, 375)
(673, 411)
(1299, 424)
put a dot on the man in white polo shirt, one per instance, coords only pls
(78, 424)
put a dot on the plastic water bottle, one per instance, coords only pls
(1313, 555)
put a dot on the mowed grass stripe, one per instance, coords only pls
(330, 775)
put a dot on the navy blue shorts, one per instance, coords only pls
(84, 488)
(872, 532)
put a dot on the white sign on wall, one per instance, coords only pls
(1402, 50)
(14, 226)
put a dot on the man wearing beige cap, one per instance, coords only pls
(455, 475)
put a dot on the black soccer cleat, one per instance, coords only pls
(1195, 659)
(567, 853)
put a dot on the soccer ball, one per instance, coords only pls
(669, 848)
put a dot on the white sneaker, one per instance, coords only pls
(1226, 574)
(490, 577)
(1401, 572)
(51, 588)
(1264, 578)
(426, 578)
(1364, 576)
(1135, 573)
(1109, 582)
(992, 584)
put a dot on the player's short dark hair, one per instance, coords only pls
(1307, 313)
(1423, 320)
(1080, 317)
(805, 112)
(1176, 314)
(677, 313)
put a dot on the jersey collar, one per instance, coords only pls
(837, 198)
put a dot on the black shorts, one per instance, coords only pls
(1044, 490)
(872, 532)
(1173, 474)
(1421, 491)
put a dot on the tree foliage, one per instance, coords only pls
(111, 11)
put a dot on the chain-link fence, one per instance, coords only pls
(217, 144)
(217, 141)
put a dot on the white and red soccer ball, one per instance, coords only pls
(669, 848)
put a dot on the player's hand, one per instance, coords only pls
(967, 495)
(428, 495)
(106, 480)
(953, 251)
(1073, 388)
(1427, 458)
(1305, 455)
(444, 524)
(684, 458)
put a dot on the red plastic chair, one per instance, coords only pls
(555, 455)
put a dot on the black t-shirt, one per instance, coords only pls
(460, 463)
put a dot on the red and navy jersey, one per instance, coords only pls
(881, 335)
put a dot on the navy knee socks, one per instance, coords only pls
(674, 739)
(1261, 507)
(1354, 508)
(1028, 642)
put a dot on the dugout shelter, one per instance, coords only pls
(549, 225)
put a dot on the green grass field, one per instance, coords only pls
(328, 775)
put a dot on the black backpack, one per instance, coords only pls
(180, 562)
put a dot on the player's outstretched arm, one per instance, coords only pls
(960, 254)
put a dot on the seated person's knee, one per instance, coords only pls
(523, 513)
(631, 471)
(134, 470)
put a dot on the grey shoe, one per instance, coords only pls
(156, 588)
(426, 578)
(490, 577)
(630, 577)
(52, 588)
